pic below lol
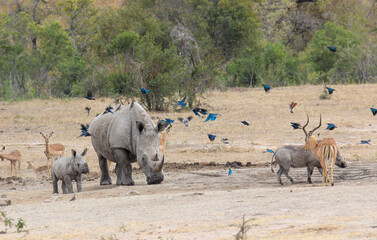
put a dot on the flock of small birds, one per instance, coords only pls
(201, 112)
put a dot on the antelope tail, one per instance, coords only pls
(272, 163)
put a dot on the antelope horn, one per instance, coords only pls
(320, 121)
(158, 167)
(51, 134)
(42, 135)
(303, 128)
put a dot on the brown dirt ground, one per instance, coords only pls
(197, 201)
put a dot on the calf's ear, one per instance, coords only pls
(73, 153)
(84, 152)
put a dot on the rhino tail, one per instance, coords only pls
(273, 162)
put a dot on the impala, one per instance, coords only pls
(14, 156)
(52, 150)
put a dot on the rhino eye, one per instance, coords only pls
(78, 164)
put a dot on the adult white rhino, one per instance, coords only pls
(127, 136)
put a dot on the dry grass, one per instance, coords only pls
(268, 115)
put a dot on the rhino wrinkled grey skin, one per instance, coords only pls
(127, 136)
(296, 157)
(68, 169)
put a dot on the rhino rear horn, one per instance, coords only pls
(159, 166)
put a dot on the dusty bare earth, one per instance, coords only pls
(198, 201)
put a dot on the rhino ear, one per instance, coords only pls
(84, 152)
(160, 126)
(3, 147)
(140, 126)
(73, 153)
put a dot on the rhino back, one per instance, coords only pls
(59, 167)
(123, 132)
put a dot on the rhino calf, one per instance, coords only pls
(68, 169)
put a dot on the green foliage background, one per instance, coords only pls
(62, 48)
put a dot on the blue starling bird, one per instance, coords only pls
(143, 90)
(229, 172)
(185, 120)
(245, 123)
(168, 121)
(85, 131)
(331, 90)
(295, 125)
(331, 126)
(225, 140)
(200, 110)
(332, 49)
(266, 87)
(109, 110)
(211, 117)
(89, 95)
(211, 137)
(269, 150)
(365, 142)
(182, 102)
(374, 111)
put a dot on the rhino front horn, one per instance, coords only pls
(158, 167)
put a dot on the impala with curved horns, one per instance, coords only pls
(325, 151)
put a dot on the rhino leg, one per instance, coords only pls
(105, 176)
(54, 184)
(68, 184)
(64, 187)
(280, 171)
(123, 167)
(78, 183)
(286, 174)
(310, 172)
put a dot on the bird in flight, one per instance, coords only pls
(266, 87)
(331, 90)
(109, 109)
(229, 172)
(295, 125)
(143, 90)
(89, 95)
(291, 106)
(331, 126)
(245, 123)
(374, 111)
(211, 117)
(168, 121)
(185, 120)
(365, 142)
(85, 131)
(332, 49)
(211, 137)
(269, 150)
(225, 140)
(200, 110)
(182, 102)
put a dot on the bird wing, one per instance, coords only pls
(180, 119)
(189, 118)
(89, 93)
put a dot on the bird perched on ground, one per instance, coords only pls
(88, 109)
(365, 142)
(291, 106)
(143, 90)
(185, 120)
(85, 131)
(269, 150)
(199, 110)
(332, 49)
(109, 110)
(182, 102)
(331, 126)
(211, 137)
(245, 123)
(331, 90)
(374, 111)
(295, 125)
(225, 140)
(266, 87)
(89, 95)
(74, 197)
(229, 172)
(211, 117)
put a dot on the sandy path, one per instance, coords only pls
(205, 204)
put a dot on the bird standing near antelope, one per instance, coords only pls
(52, 150)
(14, 156)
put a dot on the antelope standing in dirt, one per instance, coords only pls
(38, 171)
(52, 150)
(325, 151)
(14, 156)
